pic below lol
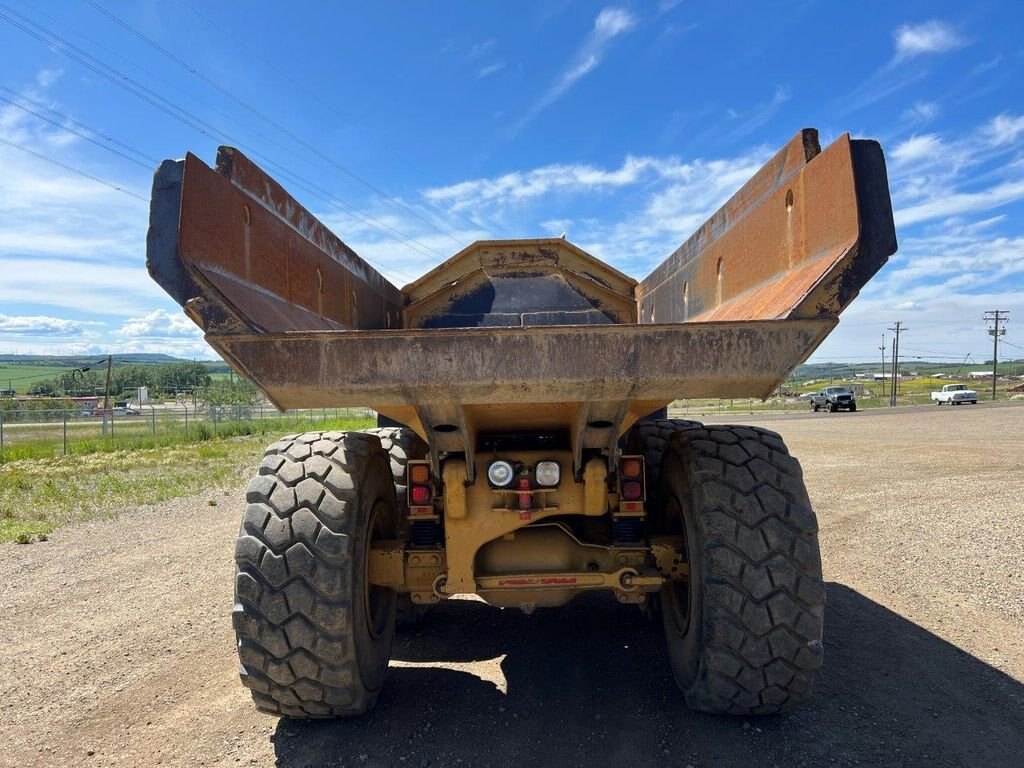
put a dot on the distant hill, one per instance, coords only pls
(83, 361)
(839, 370)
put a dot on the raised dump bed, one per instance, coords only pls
(527, 469)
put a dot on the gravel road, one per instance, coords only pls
(119, 648)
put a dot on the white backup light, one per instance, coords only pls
(548, 473)
(500, 473)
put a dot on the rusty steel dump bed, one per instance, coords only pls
(513, 323)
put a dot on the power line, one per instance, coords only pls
(994, 316)
(882, 348)
(72, 169)
(297, 83)
(897, 329)
(223, 137)
(181, 114)
(268, 120)
(66, 119)
(74, 132)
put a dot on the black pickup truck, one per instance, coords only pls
(834, 399)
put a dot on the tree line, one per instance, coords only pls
(164, 379)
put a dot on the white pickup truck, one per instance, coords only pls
(955, 394)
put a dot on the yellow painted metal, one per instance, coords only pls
(404, 570)
(386, 566)
(455, 479)
(595, 488)
(529, 590)
(480, 515)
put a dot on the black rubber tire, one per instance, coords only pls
(751, 640)
(853, 408)
(832, 408)
(814, 408)
(649, 438)
(303, 608)
(402, 445)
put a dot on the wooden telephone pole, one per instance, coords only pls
(898, 329)
(106, 391)
(995, 316)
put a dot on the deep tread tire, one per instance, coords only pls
(302, 604)
(402, 445)
(756, 598)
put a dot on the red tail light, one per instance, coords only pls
(632, 490)
(631, 478)
(419, 495)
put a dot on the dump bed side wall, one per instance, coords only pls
(798, 240)
(243, 255)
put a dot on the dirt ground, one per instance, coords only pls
(119, 649)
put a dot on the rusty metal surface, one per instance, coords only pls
(512, 365)
(799, 240)
(240, 253)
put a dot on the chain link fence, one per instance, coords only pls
(60, 432)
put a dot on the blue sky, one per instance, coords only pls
(624, 125)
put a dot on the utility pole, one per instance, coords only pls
(882, 348)
(995, 316)
(898, 329)
(106, 391)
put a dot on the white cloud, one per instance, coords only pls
(1004, 129)
(88, 286)
(47, 77)
(490, 69)
(916, 148)
(609, 24)
(38, 325)
(927, 37)
(954, 203)
(921, 112)
(160, 324)
(479, 49)
(524, 185)
(761, 113)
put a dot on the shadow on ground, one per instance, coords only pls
(589, 686)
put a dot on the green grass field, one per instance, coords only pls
(102, 475)
(21, 376)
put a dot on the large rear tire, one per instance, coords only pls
(314, 637)
(744, 633)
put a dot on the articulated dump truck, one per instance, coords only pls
(523, 452)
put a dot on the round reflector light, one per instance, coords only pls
(548, 473)
(500, 474)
